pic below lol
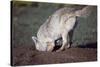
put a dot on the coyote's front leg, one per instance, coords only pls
(50, 46)
(68, 44)
(65, 42)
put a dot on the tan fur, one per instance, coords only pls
(58, 25)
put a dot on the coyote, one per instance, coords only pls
(58, 25)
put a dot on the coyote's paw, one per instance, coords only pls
(67, 46)
(59, 50)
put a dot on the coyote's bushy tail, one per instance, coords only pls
(84, 12)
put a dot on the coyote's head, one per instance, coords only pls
(39, 46)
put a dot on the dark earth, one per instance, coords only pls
(27, 55)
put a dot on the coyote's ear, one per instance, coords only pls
(35, 39)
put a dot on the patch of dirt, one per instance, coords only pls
(27, 55)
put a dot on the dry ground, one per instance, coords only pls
(27, 55)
